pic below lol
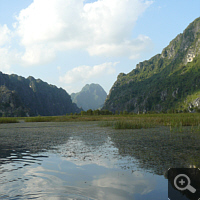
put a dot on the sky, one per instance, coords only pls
(70, 43)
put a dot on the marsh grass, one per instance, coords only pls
(39, 119)
(106, 123)
(59, 118)
(176, 122)
(127, 124)
(135, 124)
(4, 120)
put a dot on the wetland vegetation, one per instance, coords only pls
(4, 120)
(32, 153)
(175, 121)
(55, 154)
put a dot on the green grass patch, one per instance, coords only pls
(174, 121)
(5, 120)
(38, 119)
(135, 124)
(129, 124)
(60, 118)
(106, 123)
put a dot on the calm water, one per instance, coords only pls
(84, 161)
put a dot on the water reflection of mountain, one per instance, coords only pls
(158, 149)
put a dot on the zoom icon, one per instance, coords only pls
(183, 183)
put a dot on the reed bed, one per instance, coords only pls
(135, 124)
(49, 119)
(175, 121)
(126, 124)
(4, 120)
(72, 118)
(58, 119)
(106, 123)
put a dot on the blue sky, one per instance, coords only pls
(69, 43)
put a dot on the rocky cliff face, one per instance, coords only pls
(10, 104)
(90, 97)
(164, 81)
(30, 97)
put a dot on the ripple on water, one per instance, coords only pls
(84, 164)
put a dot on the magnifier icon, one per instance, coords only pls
(182, 182)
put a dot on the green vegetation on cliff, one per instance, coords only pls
(30, 97)
(168, 81)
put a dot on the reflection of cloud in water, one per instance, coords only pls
(80, 153)
(64, 180)
(126, 183)
(61, 177)
(84, 164)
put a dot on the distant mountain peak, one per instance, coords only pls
(92, 96)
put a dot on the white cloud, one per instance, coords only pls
(103, 27)
(5, 35)
(127, 48)
(35, 54)
(5, 57)
(84, 73)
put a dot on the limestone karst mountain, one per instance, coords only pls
(90, 97)
(168, 81)
(29, 97)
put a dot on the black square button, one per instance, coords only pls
(183, 184)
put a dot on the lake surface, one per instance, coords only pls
(80, 160)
